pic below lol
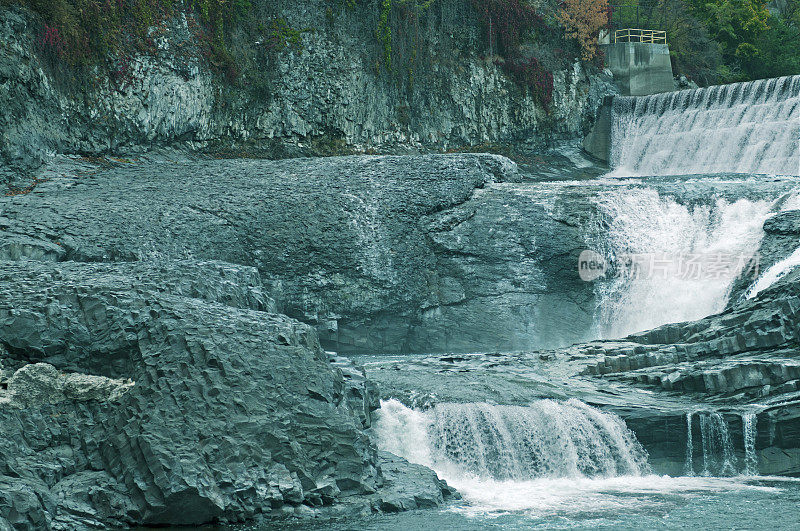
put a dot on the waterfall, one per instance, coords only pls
(749, 436)
(775, 273)
(689, 468)
(719, 456)
(547, 439)
(740, 128)
(686, 257)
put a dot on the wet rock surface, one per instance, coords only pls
(444, 253)
(404, 479)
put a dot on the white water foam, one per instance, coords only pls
(545, 439)
(570, 496)
(775, 273)
(477, 449)
(739, 128)
(700, 250)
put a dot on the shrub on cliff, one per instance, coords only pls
(85, 32)
(582, 20)
(507, 24)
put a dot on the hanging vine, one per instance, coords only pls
(507, 23)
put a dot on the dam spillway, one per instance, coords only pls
(749, 128)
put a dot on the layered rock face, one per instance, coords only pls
(381, 254)
(329, 95)
(744, 359)
(131, 396)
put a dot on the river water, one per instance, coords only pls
(651, 502)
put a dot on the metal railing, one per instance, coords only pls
(640, 14)
(640, 35)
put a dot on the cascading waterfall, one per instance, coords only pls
(547, 439)
(749, 437)
(552, 458)
(718, 454)
(689, 468)
(687, 257)
(775, 273)
(740, 128)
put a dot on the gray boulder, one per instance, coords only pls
(402, 491)
(173, 410)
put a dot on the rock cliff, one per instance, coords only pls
(325, 96)
(380, 254)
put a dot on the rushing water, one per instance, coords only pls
(650, 502)
(716, 444)
(686, 257)
(742, 128)
(749, 438)
(775, 273)
(556, 464)
(478, 441)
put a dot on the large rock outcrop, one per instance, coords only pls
(381, 254)
(128, 397)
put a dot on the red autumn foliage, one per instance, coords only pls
(582, 20)
(530, 73)
(52, 41)
(507, 22)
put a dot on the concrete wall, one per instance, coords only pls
(598, 142)
(640, 68)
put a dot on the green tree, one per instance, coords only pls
(737, 25)
(777, 51)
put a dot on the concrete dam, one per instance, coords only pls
(739, 128)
